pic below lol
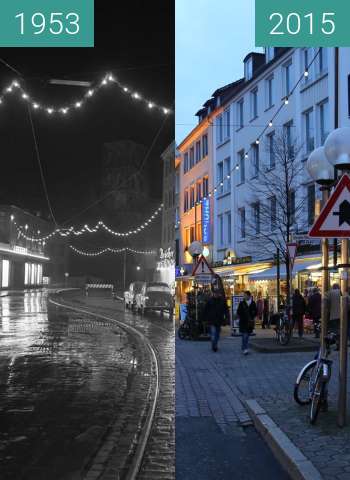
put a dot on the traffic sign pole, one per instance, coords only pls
(343, 346)
(325, 278)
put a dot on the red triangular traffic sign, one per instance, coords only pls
(202, 267)
(334, 219)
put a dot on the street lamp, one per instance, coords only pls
(337, 150)
(138, 268)
(322, 172)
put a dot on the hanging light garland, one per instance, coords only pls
(112, 250)
(259, 137)
(65, 232)
(16, 88)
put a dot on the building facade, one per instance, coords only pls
(25, 263)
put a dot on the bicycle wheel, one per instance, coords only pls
(303, 385)
(317, 397)
(284, 336)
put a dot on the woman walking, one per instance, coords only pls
(246, 313)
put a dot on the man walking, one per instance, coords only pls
(299, 307)
(333, 303)
(314, 309)
(216, 314)
(246, 313)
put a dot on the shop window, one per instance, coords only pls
(5, 277)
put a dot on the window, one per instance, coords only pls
(227, 174)
(187, 238)
(324, 121)
(198, 192)
(287, 128)
(198, 151)
(5, 277)
(269, 53)
(199, 231)
(219, 129)
(311, 204)
(292, 206)
(192, 196)
(191, 157)
(205, 145)
(269, 92)
(186, 162)
(227, 124)
(256, 217)
(192, 234)
(221, 229)
(273, 213)
(240, 113)
(186, 201)
(255, 160)
(228, 224)
(26, 274)
(271, 150)
(241, 213)
(220, 176)
(241, 163)
(287, 78)
(322, 61)
(309, 131)
(254, 103)
(205, 187)
(248, 69)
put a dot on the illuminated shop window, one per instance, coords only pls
(5, 277)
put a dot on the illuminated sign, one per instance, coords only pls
(206, 237)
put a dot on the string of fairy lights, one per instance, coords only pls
(17, 89)
(268, 126)
(112, 250)
(65, 232)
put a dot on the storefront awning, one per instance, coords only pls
(271, 273)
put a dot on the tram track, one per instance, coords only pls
(143, 443)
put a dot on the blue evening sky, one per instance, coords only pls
(212, 38)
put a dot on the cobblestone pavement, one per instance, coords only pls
(213, 384)
(72, 388)
(159, 458)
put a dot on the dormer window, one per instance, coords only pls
(248, 68)
(269, 53)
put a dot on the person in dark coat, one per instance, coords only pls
(246, 313)
(216, 314)
(314, 309)
(299, 308)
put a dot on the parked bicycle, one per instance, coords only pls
(311, 385)
(283, 327)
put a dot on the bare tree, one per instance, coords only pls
(277, 198)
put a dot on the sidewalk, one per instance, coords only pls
(215, 385)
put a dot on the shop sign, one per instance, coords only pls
(206, 221)
(233, 261)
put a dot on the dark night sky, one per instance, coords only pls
(134, 40)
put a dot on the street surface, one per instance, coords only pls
(210, 389)
(74, 391)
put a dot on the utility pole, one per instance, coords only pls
(124, 270)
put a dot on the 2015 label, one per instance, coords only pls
(56, 23)
(293, 23)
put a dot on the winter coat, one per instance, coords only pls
(298, 305)
(216, 311)
(314, 305)
(333, 301)
(246, 314)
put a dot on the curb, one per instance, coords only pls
(290, 457)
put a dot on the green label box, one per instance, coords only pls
(302, 23)
(47, 23)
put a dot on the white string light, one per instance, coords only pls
(65, 232)
(108, 79)
(270, 123)
(112, 250)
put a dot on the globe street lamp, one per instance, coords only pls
(337, 150)
(322, 172)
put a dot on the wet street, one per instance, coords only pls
(76, 390)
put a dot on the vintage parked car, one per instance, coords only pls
(155, 296)
(130, 295)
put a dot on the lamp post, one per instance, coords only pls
(322, 172)
(337, 150)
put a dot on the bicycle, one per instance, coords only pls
(283, 328)
(311, 385)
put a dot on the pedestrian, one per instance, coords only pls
(333, 307)
(266, 313)
(260, 307)
(314, 310)
(216, 314)
(246, 313)
(298, 308)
